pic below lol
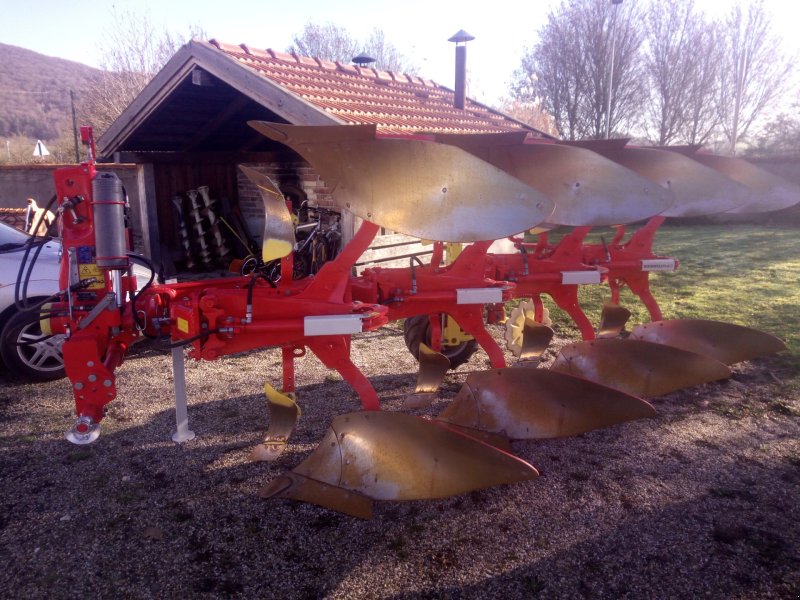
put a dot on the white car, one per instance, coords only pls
(25, 350)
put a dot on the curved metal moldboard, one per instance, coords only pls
(529, 403)
(698, 190)
(771, 192)
(417, 187)
(587, 188)
(395, 456)
(279, 237)
(641, 368)
(725, 342)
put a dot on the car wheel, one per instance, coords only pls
(27, 352)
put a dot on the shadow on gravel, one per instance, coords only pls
(136, 516)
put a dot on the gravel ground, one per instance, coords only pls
(700, 501)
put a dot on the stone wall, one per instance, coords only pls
(20, 182)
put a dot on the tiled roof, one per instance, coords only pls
(396, 103)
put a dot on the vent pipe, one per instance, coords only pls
(363, 59)
(460, 39)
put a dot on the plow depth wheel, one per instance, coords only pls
(418, 329)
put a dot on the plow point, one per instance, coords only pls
(297, 487)
(528, 403)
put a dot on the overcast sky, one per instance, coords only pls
(73, 29)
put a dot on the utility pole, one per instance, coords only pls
(616, 4)
(74, 126)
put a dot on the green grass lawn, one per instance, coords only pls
(744, 274)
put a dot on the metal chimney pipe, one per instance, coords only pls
(461, 77)
(461, 38)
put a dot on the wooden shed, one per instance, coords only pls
(188, 128)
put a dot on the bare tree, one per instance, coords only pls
(568, 69)
(327, 41)
(386, 55)
(682, 61)
(779, 137)
(131, 54)
(551, 73)
(754, 73)
(332, 42)
(700, 116)
(532, 114)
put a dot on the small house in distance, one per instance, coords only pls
(188, 130)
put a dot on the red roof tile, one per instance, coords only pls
(395, 102)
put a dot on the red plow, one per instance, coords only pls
(463, 193)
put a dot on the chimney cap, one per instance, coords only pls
(461, 36)
(363, 59)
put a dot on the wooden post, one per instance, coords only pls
(148, 213)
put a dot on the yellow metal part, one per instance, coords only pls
(637, 367)
(529, 403)
(394, 456)
(417, 187)
(283, 415)
(182, 325)
(91, 271)
(452, 251)
(726, 342)
(44, 324)
(452, 334)
(279, 237)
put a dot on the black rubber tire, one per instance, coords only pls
(38, 361)
(418, 329)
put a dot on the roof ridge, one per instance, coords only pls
(321, 63)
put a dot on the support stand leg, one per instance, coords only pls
(183, 433)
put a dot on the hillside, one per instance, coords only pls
(34, 92)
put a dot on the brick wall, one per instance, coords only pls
(14, 217)
(297, 181)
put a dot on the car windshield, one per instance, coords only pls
(11, 237)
